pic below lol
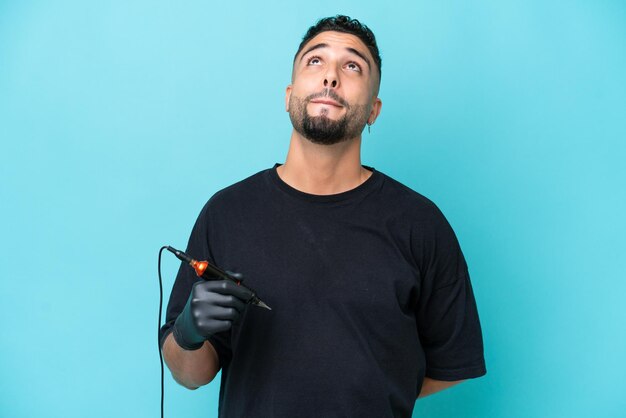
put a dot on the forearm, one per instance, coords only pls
(191, 369)
(431, 386)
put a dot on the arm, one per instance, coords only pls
(212, 307)
(431, 386)
(190, 368)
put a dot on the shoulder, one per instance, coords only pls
(241, 194)
(399, 190)
(246, 190)
(408, 202)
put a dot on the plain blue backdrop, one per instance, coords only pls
(118, 120)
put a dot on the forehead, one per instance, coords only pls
(338, 40)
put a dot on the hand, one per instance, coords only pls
(213, 306)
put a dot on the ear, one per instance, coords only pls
(376, 107)
(287, 97)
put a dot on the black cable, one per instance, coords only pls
(159, 331)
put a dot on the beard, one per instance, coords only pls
(322, 129)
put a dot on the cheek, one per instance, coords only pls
(309, 81)
(356, 86)
(304, 87)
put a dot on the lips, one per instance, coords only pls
(327, 102)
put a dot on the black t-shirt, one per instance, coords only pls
(369, 293)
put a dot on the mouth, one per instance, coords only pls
(326, 102)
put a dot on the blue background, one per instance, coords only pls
(119, 120)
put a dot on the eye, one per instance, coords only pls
(314, 60)
(353, 66)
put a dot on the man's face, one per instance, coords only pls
(334, 89)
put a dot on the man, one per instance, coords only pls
(372, 304)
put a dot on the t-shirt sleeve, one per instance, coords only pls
(447, 317)
(198, 248)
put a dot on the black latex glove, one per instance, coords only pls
(213, 306)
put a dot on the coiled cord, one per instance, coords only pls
(159, 330)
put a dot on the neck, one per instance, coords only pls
(323, 169)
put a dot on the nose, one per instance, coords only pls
(331, 79)
(330, 82)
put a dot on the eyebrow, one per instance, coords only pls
(352, 50)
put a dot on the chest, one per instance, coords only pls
(360, 263)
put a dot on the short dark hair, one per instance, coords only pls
(345, 24)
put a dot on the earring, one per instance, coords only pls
(368, 127)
